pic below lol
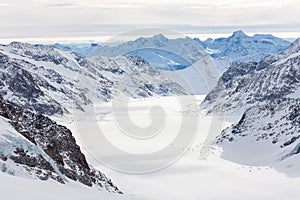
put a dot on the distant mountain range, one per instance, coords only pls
(177, 54)
(242, 48)
(82, 49)
(194, 64)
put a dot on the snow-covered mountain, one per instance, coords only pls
(33, 146)
(82, 49)
(159, 51)
(183, 60)
(38, 82)
(243, 48)
(266, 94)
(266, 135)
(50, 81)
(249, 84)
(176, 54)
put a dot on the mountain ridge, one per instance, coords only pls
(266, 97)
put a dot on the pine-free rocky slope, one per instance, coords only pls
(53, 82)
(266, 94)
(34, 146)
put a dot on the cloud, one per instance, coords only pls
(90, 4)
(80, 15)
(5, 4)
(63, 4)
(114, 6)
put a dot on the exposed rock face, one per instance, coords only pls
(35, 164)
(249, 84)
(59, 156)
(282, 127)
(40, 81)
(49, 81)
(268, 96)
(266, 135)
(32, 90)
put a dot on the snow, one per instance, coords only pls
(161, 59)
(199, 78)
(242, 48)
(17, 183)
(296, 94)
(12, 187)
(190, 177)
(63, 76)
(182, 59)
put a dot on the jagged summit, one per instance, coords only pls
(295, 44)
(239, 34)
(243, 48)
(160, 37)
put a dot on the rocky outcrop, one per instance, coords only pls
(267, 96)
(249, 84)
(60, 158)
(51, 82)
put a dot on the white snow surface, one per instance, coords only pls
(190, 177)
(12, 188)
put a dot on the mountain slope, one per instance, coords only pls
(242, 48)
(157, 50)
(266, 135)
(54, 78)
(249, 84)
(83, 49)
(38, 82)
(185, 59)
(182, 60)
(267, 96)
(34, 146)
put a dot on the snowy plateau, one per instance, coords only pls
(241, 93)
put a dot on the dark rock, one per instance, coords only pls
(57, 142)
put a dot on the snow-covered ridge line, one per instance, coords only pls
(266, 94)
(248, 84)
(54, 78)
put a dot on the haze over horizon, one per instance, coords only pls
(98, 20)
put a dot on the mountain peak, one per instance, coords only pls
(294, 47)
(296, 43)
(18, 44)
(239, 33)
(159, 37)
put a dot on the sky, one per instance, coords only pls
(103, 18)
